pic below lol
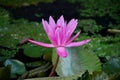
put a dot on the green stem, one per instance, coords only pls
(54, 67)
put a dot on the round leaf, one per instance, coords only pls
(78, 61)
(33, 51)
(17, 67)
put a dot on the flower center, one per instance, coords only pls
(58, 26)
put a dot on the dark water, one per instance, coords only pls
(55, 9)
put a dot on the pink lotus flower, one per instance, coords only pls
(59, 34)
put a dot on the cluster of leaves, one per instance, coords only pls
(4, 17)
(100, 8)
(89, 27)
(14, 68)
(103, 12)
(12, 32)
(106, 11)
(16, 3)
(93, 8)
(97, 60)
(6, 54)
(106, 46)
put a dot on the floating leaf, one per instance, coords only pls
(17, 67)
(78, 61)
(33, 51)
(104, 46)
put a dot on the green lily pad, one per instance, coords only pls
(77, 62)
(17, 67)
(33, 51)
